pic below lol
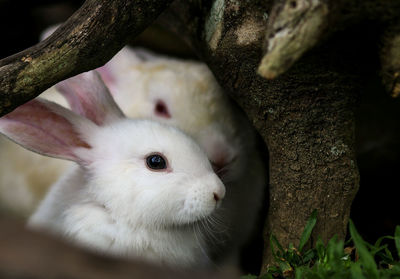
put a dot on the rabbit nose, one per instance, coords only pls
(219, 192)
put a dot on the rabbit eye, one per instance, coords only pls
(156, 162)
(161, 109)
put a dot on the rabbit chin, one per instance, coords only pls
(180, 245)
(90, 224)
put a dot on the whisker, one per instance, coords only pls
(208, 232)
(196, 229)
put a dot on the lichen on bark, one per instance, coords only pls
(38, 69)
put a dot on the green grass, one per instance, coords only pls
(355, 259)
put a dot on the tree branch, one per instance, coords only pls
(90, 37)
(390, 59)
(294, 26)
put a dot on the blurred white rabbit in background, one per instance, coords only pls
(177, 92)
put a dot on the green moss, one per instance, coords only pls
(45, 68)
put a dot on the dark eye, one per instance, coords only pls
(156, 162)
(161, 109)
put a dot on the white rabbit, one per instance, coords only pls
(140, 188)
(177, 92)
(185, 94)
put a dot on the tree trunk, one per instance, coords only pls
(309, 129)
(306, 118)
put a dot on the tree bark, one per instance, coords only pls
(296, 26)
(390, 59)
(90, 37)
(309, 129)
(306, 116)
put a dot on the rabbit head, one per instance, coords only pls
(184, 94)
(142, 172)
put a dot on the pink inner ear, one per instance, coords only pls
(88, 96)
(106, 75)
(37, 127)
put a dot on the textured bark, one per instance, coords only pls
(296, 26)
(306, 116)
(26, 254)
(98, 30)
(309, 129)
(293, 28)
(390, 58)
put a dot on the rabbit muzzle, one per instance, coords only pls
(205, 197)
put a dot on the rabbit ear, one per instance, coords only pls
(48, 31)
(126, 60)
(46, 128)
(88, 96)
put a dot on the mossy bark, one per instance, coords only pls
(90, 37)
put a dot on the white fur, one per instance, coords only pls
(113, 203)
(199, 107)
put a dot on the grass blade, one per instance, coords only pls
(321, 250)
(366, 258)
(397, 240)
(276, 243)
(379, 241)
(308, 230)
(266, 276)
(356, 271)
(248, 276)
(308, 256)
